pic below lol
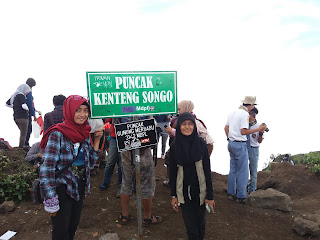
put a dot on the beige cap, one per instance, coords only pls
(249, 100)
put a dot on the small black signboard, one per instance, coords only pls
(137, 134)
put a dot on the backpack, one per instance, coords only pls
(202, 123)
(37, 191)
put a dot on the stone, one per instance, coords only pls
(305, 227)
(7, 206)
(317, 216)
(309, 216)
(271, 199)
(110, 236)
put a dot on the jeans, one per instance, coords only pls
(238, 174)
(113, 158)
(164, 137)
(253, 166)
(65, 223)
(194, 217)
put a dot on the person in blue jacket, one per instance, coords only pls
(32, 112)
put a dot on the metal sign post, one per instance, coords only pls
(138, 192)
(138, 189)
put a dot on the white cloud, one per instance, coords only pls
(221, 50)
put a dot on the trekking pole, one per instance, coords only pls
(138, 190)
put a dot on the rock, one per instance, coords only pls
(7, 206)
(271, 199)
(305, 227)
(317, 216)
(309, 216)
(110, 236)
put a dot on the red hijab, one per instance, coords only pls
(75, 132)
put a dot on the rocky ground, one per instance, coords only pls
(230, 220)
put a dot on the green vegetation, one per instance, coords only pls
(16, 176)
(312, 160)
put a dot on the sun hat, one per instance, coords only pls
(249, 100)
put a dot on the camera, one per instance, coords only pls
(165, 126)
(267, 129)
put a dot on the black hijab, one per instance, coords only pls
(187, 148)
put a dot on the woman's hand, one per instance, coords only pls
(97, 136)
(174, 204)
(211, 204)
(168, 130)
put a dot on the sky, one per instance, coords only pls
(221, 50)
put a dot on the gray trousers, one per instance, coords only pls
(22, 124)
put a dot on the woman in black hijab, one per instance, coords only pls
(190, 175)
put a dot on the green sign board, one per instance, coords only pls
(117, 94)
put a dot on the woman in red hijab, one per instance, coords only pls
(65, 171)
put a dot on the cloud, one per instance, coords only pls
(222, 50)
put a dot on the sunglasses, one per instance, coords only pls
(76, 97)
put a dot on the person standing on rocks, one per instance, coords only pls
(18, 102)
(236, 129)
(32, 111)
(253, 144)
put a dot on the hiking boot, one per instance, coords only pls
(103, 187)
(102, 165)
(166, 183)
(26, 147)
(93, 173)
(241, 200)
(232, 197)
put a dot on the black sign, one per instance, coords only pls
(137, 134)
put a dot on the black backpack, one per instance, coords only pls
(37, 191)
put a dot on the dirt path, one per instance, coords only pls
(230, 220)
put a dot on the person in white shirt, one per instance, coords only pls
(253, 143)
(236, 129)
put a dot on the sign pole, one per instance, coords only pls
(138, 190)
